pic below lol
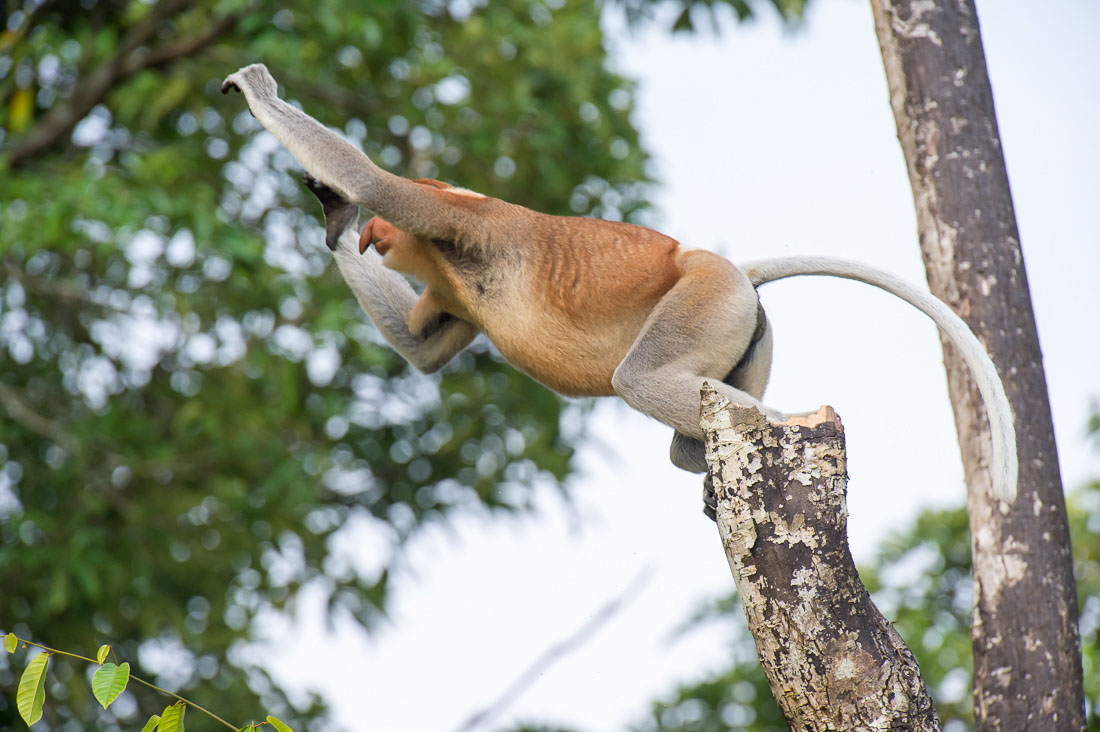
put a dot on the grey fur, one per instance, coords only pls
(687, 340)
(384, 294)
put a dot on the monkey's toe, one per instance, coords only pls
(710, 499)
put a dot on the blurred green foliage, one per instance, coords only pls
(921, 580)
(688, 15)
(192, 406)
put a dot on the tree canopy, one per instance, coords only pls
(192, 405)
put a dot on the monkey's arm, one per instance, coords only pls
(389, 300)
(420, 210)
(386, 296)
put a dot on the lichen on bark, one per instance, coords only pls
(832, 660)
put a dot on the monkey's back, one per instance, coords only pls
(585, 292)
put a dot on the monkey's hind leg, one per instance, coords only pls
(750, 375)
(697, 332)
(687, 453)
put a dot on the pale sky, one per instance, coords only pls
(766, 143)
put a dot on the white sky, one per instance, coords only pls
(767, 143)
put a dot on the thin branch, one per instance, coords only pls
(309, 88)
(167, 54)
(62, 118)
(18, 410)
(65, 292)
(29, 23)
(556, 652)
(56, 289)
(186, 701)
(138, 679)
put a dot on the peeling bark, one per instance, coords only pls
(1027, 658)
(832, 660)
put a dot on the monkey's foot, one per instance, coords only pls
(710, 499)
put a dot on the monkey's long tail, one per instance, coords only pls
(1002, 429)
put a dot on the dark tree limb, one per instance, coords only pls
(12, 403)
(1027, 655)
(832, 660)
(130, 58)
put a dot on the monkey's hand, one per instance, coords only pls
(340, 213)
(341, 166)
(255, 82)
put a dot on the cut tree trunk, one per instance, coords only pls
(832, 660)
(1027, 662)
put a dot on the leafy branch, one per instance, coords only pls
(18, 410)
(108, 683)
(131, 57)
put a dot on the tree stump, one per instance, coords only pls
(832, 660)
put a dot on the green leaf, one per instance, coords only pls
(19, 113)
(109, 681)
(151, 725)
(683, 22)
(248, 728)
(32, 689)
(10, 642)
(278, 725)
(101, 654)
(171, 719)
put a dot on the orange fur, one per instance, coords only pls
(597, 283)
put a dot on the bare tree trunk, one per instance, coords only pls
(1027, 662)
(832, 660)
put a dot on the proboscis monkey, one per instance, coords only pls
(587, 307)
